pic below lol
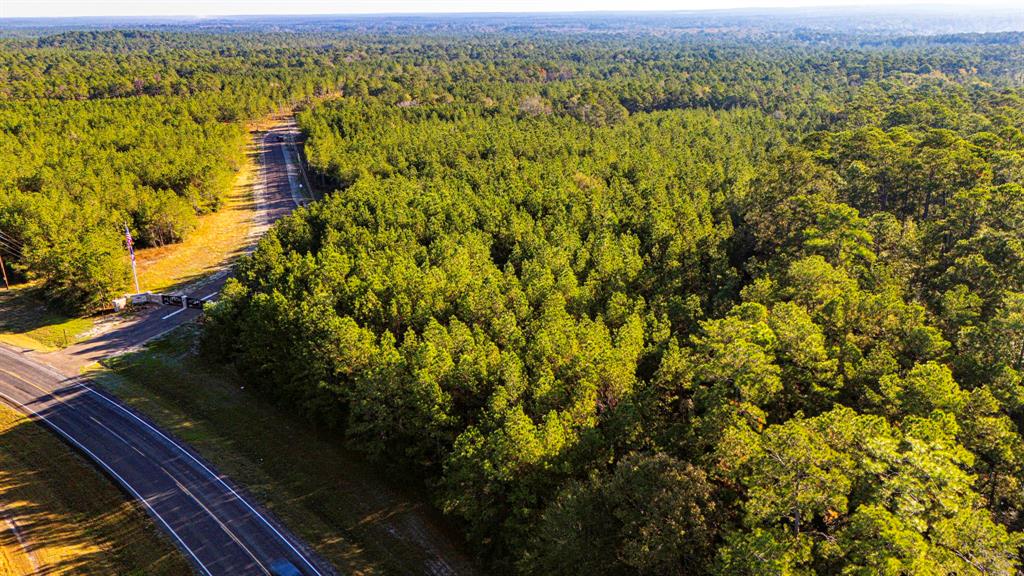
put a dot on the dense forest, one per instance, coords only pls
(637, 297)
(645, 305)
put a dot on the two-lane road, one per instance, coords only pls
(221, 530)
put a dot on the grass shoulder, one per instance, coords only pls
(331, 497)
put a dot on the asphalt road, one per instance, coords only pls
(220, 529)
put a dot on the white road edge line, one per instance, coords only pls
(176, 312)
(123, 482)
(223, 526)
(212, 475)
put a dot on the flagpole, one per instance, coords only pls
(131, 251)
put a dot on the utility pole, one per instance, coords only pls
(4, 270)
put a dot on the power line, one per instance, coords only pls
(11, 239)
(14, 245)
(12, 250)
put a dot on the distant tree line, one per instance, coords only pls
(145, 126)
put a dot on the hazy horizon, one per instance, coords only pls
(224, 8)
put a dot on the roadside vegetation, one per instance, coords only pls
(215, 241)
(29, 319)
(332, 498)
(69, 518)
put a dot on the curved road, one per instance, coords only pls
(219, 528)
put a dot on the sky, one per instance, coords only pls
(66, 8)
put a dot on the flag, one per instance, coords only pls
(131, 252)
(128, 239)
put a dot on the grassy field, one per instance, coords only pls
(58, 515)
(329, 496)
(27, 322)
